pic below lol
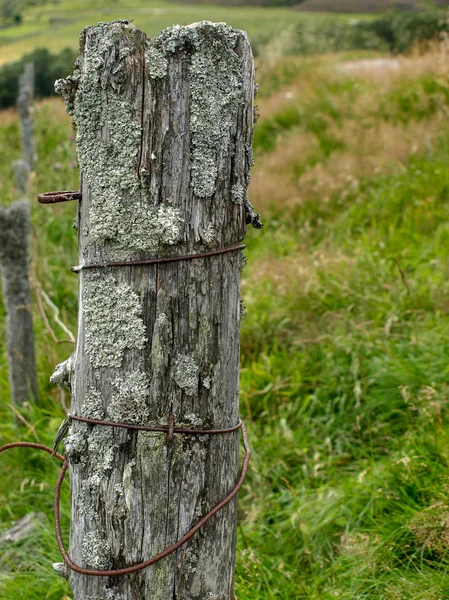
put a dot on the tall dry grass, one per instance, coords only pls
(374, 117)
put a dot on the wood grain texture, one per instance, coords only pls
(164, 132)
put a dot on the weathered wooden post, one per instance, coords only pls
(22, 174)
(15, 224)
(24, 107)
(164, 132)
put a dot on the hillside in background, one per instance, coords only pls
(273, 32)
(12, 11)
(366, 6)
(332, 6)
(55, 26)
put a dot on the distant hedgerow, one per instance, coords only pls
(396, 32)
(48, 67)
(401, 31)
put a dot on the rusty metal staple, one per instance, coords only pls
(56, 197)
(170, 549)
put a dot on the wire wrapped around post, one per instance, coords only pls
(170, 549)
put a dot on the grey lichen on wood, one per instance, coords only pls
(114, 313)
(24, 106)
(129, 398)
(15, 226)
(110, 164)
(92, 407)
(155, 62)
(216, 84)
(163, 131)
(95, 550)
(186, 374)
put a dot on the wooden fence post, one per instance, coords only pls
(15, 224)
(164, 133)
(24, 106)
(22, 174)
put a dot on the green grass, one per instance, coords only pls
(345, 354)
(57, 26)
(347, 388)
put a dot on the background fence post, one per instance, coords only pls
(24, 106)
(15, 224)
(22, 174)
(164, 133)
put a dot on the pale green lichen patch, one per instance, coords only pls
(238, 193)
(76, 444)
(186, 374)
(94, 550)
(191, 558)
(209, 234)
(92, 407)
(156, 63)
(129, 398)
(160, 579)
(101, 450)
(113, 320)
(109, 144)
(168, 223)
(192, 420)
(216, 94)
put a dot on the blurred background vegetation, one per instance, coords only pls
(345, 344)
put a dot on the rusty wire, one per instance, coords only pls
(158, 261)
(32, 445)
(56, 197)
(170, 549)
(170, 430)
(65, 196)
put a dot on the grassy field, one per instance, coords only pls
(55, 26)
(344, 346)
